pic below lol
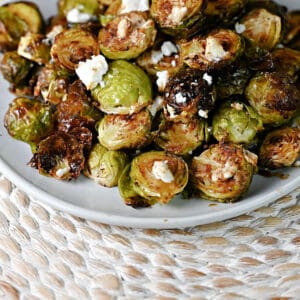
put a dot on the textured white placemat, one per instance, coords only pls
(47, 254)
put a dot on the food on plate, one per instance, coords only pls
(159, 98)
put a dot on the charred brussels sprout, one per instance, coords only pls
(219, 48)
(274, 97)
(280, 148)
(223, 172)
(127, 36)
(154, 177)
(223, 12)
(105, 166)
(17, 19)
(72, 46)
(29, 120)
(263, 28)
(14, 67)
(286, 60)
(187, 94)
(33, 46)
(178, 18)
(125, 131)
(60, 155)
(236, 122)
(181, 137)
(126, 89)
(76, 110)
(292, 37)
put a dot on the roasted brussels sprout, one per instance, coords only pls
(187, 94)
(219, 48)
(223, 172)
(133, 131)
(14, 67)
(127, 36)
(156, 176)
(263, 28)
(178, 18)
(78, 11)
(29, 120)
(162, 57)
(105, 166)
(274, 97)
(181, 137)
(72, 46)
(280, 148)
(51, 85)
(60, 155)
(126, 89)
(17, 19)
(233, 81)
(76, 110)
(236, 122)
(84, 136)
(223, 12)
(286, 60)
(292, 37)
(35, 47)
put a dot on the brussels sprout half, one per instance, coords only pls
(223, 172)
(280, 148)
(236, 122)
(219, 48)
(180, 19)
(274, 97)
(126, 89)
(158, 176)
(105, 166)
(29, 120)
(127, 36)
(14, 67)
(133, 131)
(72, 46)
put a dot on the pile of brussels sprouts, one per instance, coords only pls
(196, 96)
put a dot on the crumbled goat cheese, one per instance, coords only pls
(297, 164)
(156, 56)
(239, 28)
(161, 171)
(92, 70)
(173, 63)
(179, 98)
(214, 51)
(177, 14)
(134, 5)
(62, 171)
(123, 27)
(168, 48)
(76, 16)
(54, 32)
(224, 172)
(171, 111)
(156, 105)
(162, 80)
(237, 106)
(203, 113)
(208, 78)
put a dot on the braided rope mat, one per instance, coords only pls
(46, 254)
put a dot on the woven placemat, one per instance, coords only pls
(47, 254)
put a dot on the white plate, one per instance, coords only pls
(86, 199)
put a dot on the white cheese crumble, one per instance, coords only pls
(297, 164)
(156, 105)
(92, 70)
(208, 78)
(162, 80)
(134, 5)
(54, 32)
(171, 111)
(161, 171)
(225, 172)
(123, 27)
(203, 113)
(173, 63)
(167, 49)
(179, 98)
(75, 15)
(62, 171)
(237, 106)
(214, 51)
(239, 28)
(177, 14)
